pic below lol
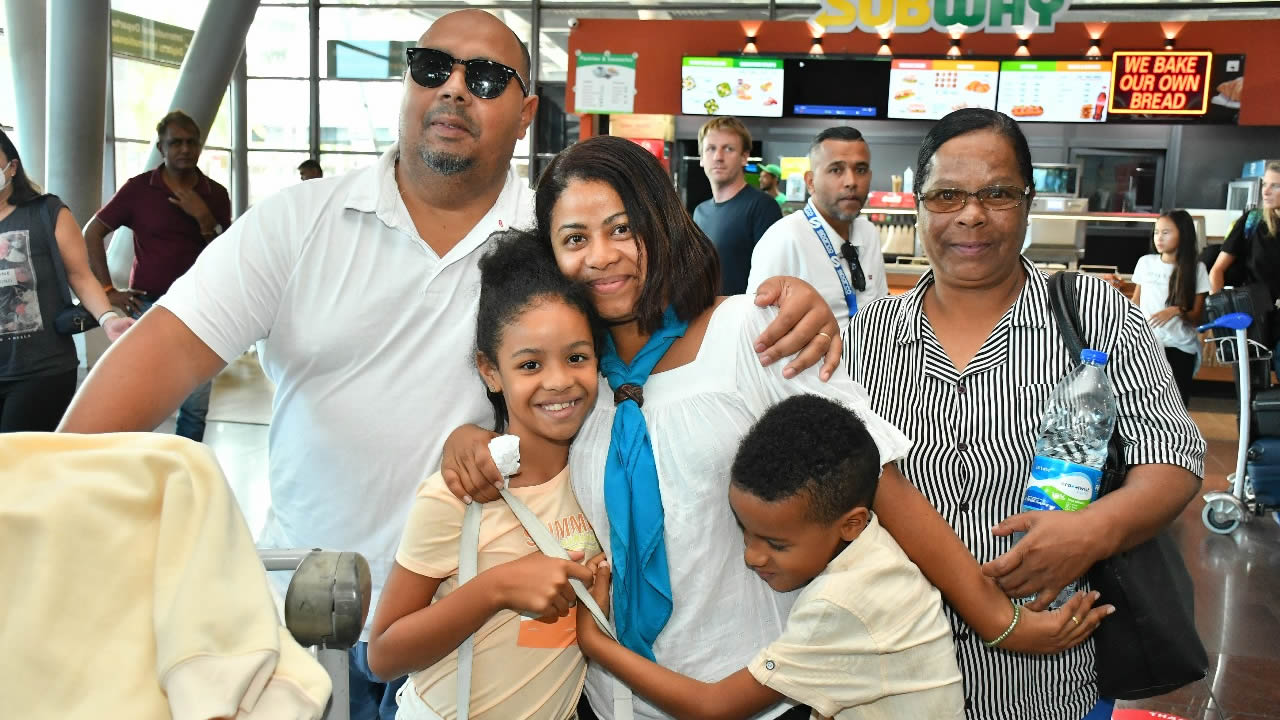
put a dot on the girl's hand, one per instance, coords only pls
(467, 466)
(1053, 631)
(1164, 317)
(538, 586)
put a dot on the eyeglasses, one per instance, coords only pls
(486, 79)
(995, 197)
(850, 254)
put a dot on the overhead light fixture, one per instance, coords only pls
(1023, 49)
(884, 46)
(955, 48)
(1095, 47)
(751, 44)
(816, 48)
(1168, 43)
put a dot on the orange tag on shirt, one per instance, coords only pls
(560, 634)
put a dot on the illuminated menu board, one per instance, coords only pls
(1161, 83)
(1054, 91)
(929, 89)
(731, 86)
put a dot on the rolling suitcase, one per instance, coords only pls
(1264, 470)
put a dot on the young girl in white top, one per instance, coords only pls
(536, 352)
(1171, 287)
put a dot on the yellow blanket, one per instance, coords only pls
(130, 588)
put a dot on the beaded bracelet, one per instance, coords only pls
(1017, 614)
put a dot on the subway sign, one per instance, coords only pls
(1161, 83)
(913, 16)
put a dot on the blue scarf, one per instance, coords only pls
(641, 582)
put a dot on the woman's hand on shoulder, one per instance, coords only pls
(1053, 631)
(1164, 317)
(467, 467)
(804, 325)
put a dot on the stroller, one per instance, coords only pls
(1255, 485)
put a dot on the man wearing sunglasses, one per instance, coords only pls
(364, 289)
(829, 243)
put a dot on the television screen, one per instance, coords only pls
(929, 89)
(835, 87)
(1058, 180)
(743, 86)
(1054, 91)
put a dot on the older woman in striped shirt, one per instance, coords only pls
(963, 364)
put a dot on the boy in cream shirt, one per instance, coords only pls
(866, 638)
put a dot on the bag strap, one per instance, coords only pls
(50, 225)
(467, 560)
(1066, 311)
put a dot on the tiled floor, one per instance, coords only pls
(1237, 577)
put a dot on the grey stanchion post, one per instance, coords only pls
(25, 31)
(75, 115)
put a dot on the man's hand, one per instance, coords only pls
(194, 205)
(116, 326)
(467, 466)
(1059, 548)
(126, 300)
(804, 325)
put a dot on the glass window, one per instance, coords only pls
(186, 14)
(269, 172)
(359, 116)
(356, 43)
(342, 163)
(278, 114)
(142, 92)
(278, 44)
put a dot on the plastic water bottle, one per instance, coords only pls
(1071, 446)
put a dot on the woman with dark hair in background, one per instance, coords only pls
(1171, 287)
(963, 364)
(38, 366)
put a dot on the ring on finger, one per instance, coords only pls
(1075, 619)
(824, 335)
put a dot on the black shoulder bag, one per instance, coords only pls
(72, 319)
(1149, 646)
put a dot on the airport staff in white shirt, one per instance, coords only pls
(829, 243)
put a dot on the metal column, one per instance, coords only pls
(206, 70)
(313, 86)
(25, 28)
(75, 116)
(535, 60)
(239, 139)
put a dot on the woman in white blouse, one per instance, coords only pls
(963, 365)
(614, 222)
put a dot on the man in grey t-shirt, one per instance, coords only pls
(737, 214)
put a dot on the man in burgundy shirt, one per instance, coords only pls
(174, 212)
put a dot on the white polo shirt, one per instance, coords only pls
(370, 339)
(790, 247)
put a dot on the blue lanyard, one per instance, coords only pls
(815, 223)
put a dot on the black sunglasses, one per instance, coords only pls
(850, 254)
(485, 79)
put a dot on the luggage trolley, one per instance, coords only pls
(324, 609)
(1254, 488)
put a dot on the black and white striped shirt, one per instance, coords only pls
(974, 437)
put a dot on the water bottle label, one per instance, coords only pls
(1060, 485)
